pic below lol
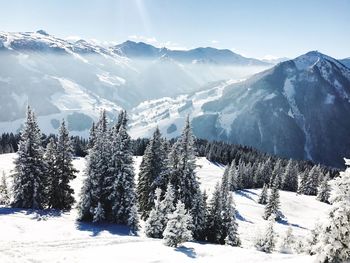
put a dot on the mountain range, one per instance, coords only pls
(297, 108)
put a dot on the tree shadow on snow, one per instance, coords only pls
(245, 194)
(96, 228)
(284, 221)
(242, 218)
(188, 251)
(250, 192)
(36, 214)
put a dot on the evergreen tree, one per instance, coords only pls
(167, 205)
(267, 241)
(290, 178)
(154, 224)
(287, 242)
(182, 175)
(122, 194)
(263, 174)
(29, 178)
(53, 179)
(232, 175)
(312, 239)
(303, 179)
(177, 229)
(263, 195)
(240, 175)
(94, 189)
(324, 190)
(151, 169)
(199, 217)
(272, 206)
(334, 238)
(278, 172)
(92, 136)
(311, 183)
(214, 219)
(65, 171)
(4, 191)
(221, 220)
(230, 226)
(99, 213)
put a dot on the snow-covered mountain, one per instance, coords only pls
(200, 55)
(298, 109)
(75, 79)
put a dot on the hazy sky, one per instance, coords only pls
(252, 28)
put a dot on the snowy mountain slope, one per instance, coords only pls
(298, 109)
(61, 78)
(50, 237)
(346, 62)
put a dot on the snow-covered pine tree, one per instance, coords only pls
(154, 223)
(230, 226)
(290, 178)
(324, 190)
(312, 239)
(163, 178)
(263, 174)
(52, 175)
(263, 195)
(182, 175)
(99, 213)
(267, 241)
(178, 227)
(167, 205)
(199, 220)
(92, 136)
(93, 193)
(65, 170)
(29, 177)
(272, 206)
(214, 219)
(151, 169)
(278, 171)
(122, 194)
(334, 238)
(311, 183)
(303, 179)
(4, 191)
(232, 175)
(287, 242)
(240, 171)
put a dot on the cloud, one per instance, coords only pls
(215, 42)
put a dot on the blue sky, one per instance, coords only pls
(253, 28)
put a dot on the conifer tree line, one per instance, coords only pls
(9, 143)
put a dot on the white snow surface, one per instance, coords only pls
(42, 236)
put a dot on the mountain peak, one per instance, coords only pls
(42, 32)
(311, 58)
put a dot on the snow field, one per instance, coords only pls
(36, 236)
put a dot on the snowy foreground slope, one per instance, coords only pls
(28, 236)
